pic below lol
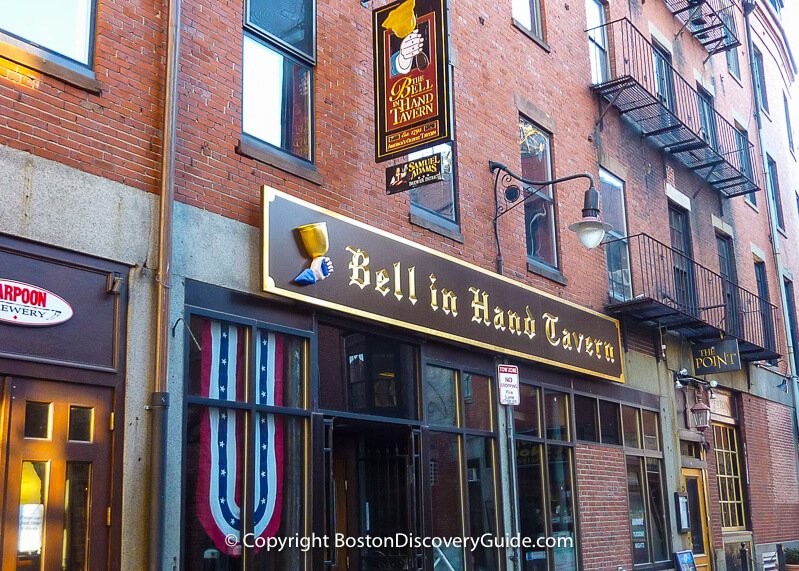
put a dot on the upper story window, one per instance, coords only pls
(435, 202)
(616, 248)
(664, 76)
(278, 57)
(707, 117)
(535, 147)
(760, 79)
(788, 125)
(529, 15)
(774, 188)
(733, 65)
(60, 27)
(597, 40)
(778, 5)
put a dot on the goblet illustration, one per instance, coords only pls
(315, 240)
(402, 22)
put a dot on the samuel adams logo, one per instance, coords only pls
(25, 304)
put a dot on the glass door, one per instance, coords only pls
(684, 285)
(58, 471)
(694, 482)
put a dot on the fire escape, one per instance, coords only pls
(711, 22)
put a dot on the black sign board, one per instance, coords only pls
(718, 357)
(323, 258)
(684, 561)
(411, 174)
(411, 68)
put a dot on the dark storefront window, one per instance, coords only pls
(245, 444)
(545, 477)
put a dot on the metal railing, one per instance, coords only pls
(712, 22)
(621, 53)
(641, 268)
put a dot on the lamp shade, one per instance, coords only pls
(590, 229)
(701, 413)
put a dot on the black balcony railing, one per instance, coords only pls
(712, 22)
(637, 79)
(657, 285)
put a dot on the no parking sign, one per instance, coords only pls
(508, 376)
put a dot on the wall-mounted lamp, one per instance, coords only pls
(701, 413)
(783, 386)
(748, 6)
(511, 187)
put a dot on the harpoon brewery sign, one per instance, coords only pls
(26, 304)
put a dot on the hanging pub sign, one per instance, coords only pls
(411, 174)
(320, 257)
(411, 68)
(717, 357)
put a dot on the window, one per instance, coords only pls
(728, 474)
(766, 317)
(744, 160)
(684, 293)
(664, 78)
(544, 471)
(645, 486)
(458, 408)
(597, 40)
(760, 79)
(616, 247)
(436, 201)
(707, 117)
(793, 327)
(535, 146)
(246, 430)
(278, 55)
(788, 125)
(61, 27)
(774, 189)
(528, 14)
(731, 318)
(733, 64)
(778, 5)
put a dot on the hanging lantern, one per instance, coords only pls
(701, 414)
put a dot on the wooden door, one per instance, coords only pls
(694, 481)
(57, 478)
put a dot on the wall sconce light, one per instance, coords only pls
(113, 284)
(748, 6)
(783, 386)
(590, 230)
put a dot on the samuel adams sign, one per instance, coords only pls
(320, 257)
(411, 77)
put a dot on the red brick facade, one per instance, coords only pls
(605, 539)
(772, 469)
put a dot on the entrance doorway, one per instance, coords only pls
(57, 474)
(694, 482)
(374, 484)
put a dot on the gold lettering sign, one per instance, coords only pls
(382, 277)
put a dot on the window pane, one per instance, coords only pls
(80, 423)
(217, 366)
(482, 504)
(34, 485)
(278, 479)
(281, 369)
(556, 410)
(561, 506)
(657, 511)
(477, 402)
(37, 419)
(539, 213)
(289, 20)
(522, 13)
(585, 418)
(532, 514)
(56, 25)
(635, 495)
(632, 432)
(437, 198)
(446, 497)
(610, 424)
(76, 514)
(276, 99)
(650, 421)
(527, 414)
(439, 396)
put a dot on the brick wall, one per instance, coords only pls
(767, 429)
(605, 540)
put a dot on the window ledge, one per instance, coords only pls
(549, 273)
(752, 206)
(49, 64)
(254, 149)
(532, 36)
(783, 231)
(427, 223)
(735, 77)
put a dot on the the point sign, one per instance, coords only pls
(508, 376)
